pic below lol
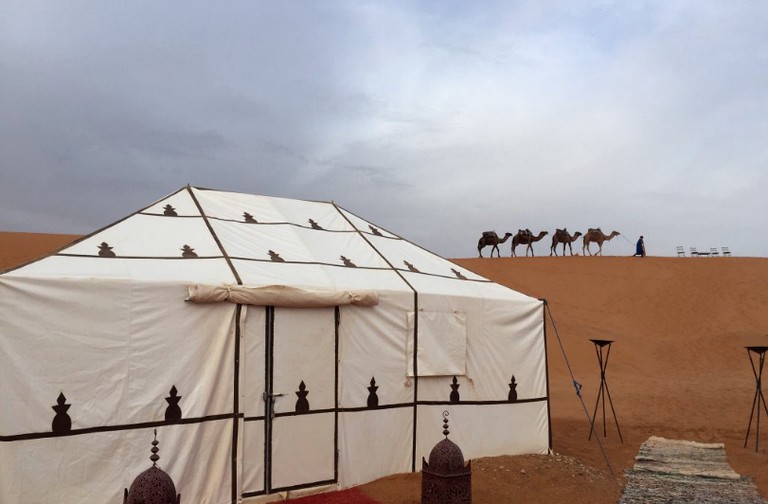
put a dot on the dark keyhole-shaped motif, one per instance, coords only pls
(302, 405)
(458, 274)
(347, 262)
(275, 256)
(105, 250)
(169, 211)
(411, 267)
(455, 390)
(249, 218)
(188, 252)
(512, 397)
(314, 224)
(373, 399)
(173, 412)
(375, 231)
(61, 422)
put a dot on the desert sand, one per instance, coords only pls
(678, 367)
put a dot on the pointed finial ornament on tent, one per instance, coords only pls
(173, 411)
(373, 399)
(61, 422)
(458, 274)
(411, 267)
(105, 250)
(275, 256)
(302, 404)
(455, 390)
(169, 211)
(512, 396)
(188, 252)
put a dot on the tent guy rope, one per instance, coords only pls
(577, 386)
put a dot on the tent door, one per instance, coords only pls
(301, 398)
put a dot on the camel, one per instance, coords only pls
(492, 239)
(597, 236)
(525, 237)
(562, 236)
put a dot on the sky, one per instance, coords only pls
(435, 120)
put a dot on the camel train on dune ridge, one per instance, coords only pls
(560, 237)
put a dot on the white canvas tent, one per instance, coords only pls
(274, 344)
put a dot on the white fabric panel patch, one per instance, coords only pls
(372, 346)
(151, 236)
(302, 449)
(442, 343)
(252, 363)
(114, 349)
(253, 456)
(115, 269)
(485, 430)
(264, 209)
(313, 276)
(304, 351)
(401, 253)
(374, 444)
(457, 287)
(364, 226)
(97, 467)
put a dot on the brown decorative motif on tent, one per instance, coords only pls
(173, 412)
(458, 274)
(411, 267)
(249, 218)
(373, 399)
(512, 397)
(375, 231)
(455, 391)
(61, 422)
(302, 405)
(105, 250)
(347, 262)
(152, 486)
(188, 252)
(314, 224)
(275, 256)
(170, 211)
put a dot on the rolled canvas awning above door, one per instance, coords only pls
(280, 296)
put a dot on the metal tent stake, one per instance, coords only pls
(599, 347)
(758, 399)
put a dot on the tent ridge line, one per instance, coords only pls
(214, 235)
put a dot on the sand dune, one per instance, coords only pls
(678, 367)
(19, 248)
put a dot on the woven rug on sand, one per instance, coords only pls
(350, 496)
(674, 471)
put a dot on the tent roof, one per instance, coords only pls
(206, 236)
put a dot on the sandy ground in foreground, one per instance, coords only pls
(678, 367)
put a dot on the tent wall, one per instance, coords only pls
(114, 350)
